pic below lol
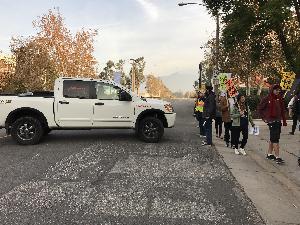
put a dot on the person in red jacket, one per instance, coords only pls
(272, 111)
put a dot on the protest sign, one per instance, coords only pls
(223, 78)
(287, 79)
(232, 91)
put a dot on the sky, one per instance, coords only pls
(168, 36)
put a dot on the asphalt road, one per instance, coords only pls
(110, 177)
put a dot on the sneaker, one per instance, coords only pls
(279, 160)
(271, 157)
(291, 133)
(227, 144)
(242, 151)
(205, 144)
(236, 151)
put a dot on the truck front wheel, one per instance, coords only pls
(150, 130)
(27, 130)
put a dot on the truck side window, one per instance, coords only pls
(77, 89)
(107, 91)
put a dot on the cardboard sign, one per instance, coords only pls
(287, 80)
(232, 91)
(223, 78)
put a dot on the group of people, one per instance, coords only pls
(235, 113)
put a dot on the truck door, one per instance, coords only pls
(108, 110)
(74, 107)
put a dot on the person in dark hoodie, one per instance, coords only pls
(272, 111)
(209, 113)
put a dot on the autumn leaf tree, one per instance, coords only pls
(53, 52)
(7, 69)
(155, 87)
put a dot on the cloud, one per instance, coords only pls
(150, 8)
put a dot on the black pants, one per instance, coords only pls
(235, 136)
(244, 130)
(227, 126)
(201, 127)
(295, 121)
(218, 126)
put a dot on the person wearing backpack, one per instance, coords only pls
(294, 111)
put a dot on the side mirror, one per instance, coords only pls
(124, 96)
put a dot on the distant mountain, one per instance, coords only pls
(179, 81)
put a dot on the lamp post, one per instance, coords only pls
(217, 50)
(200, 75)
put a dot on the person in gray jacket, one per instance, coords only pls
(209, 113)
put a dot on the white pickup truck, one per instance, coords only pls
(81, 103)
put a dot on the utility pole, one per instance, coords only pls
(217, 51)
(217, 39)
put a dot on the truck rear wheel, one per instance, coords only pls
(150, 130)
(27, 130)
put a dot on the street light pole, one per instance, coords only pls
(216, 14)
(200, 75)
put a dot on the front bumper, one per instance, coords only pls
(171, 117)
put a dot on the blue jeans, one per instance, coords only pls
(208, 131)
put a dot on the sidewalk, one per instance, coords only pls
(289, 149)
(274, 189)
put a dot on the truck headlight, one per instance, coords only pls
(169, 108)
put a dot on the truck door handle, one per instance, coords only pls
(99, 103)
(63, 102)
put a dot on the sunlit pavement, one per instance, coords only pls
(110, 177)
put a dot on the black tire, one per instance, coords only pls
(150, 130)
(47, 131)
(27, 130)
